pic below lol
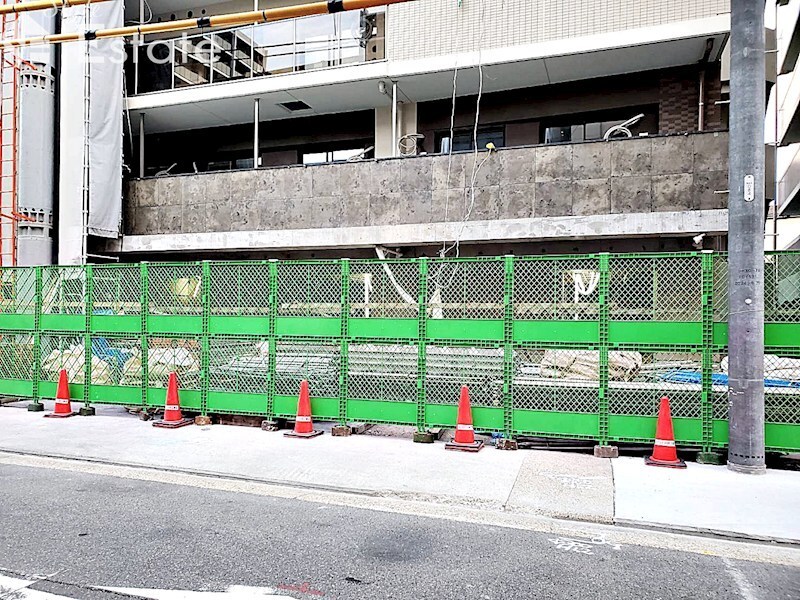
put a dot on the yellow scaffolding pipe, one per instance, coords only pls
(226, 20)
(19, 7)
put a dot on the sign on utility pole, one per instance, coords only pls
(746, 239)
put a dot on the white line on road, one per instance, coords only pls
(741, 580)
(234, 592)
(12, 588)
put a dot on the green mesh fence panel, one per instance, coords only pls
(16, 356)
(181, 355)
(638, 380)
(17, 291)
(239, 289)
(63, 352)
(782, 288)
(556, 380)
(655, 289)
(239, 364)
(386, 372)
(117, 290)
(310, 289)
(464, 289)
(450, 367)
(116, 361)
(318, 363)
(720, 286)
(386, 289)
(63, 290)
(175, 289)
(560, 289)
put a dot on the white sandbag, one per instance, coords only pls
(585, 364)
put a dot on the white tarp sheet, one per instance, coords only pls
(106, 60)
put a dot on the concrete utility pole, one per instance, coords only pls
(746, 239)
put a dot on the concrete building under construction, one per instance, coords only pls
(493, 127)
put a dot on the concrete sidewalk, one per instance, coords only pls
(547, 483)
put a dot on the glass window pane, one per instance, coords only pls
(316, 42)
(594, 131)
(274, 47)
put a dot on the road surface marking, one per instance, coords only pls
(234, 592)
(741, 581)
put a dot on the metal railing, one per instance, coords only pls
(577, 346)
(288, 46)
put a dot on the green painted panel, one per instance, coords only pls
(236, 402)
(63, 322)
(543, 422)
(307, 326)
(17, 321)
(644, 428)
(655, 332)
(115, 394)
(784, 436)
(782, 334)
(175, 324)
(556, 331)
(16, 387)
(383, 328)
(116, 323)
(321, 408)
(719, 431)
(376, 411)
(188, 398)
(47, 389)
(445, 415)
(239, 325)
(720, 334)
(465, 329)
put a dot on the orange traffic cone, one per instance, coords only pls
(303, 426)
(63, 406)
(664, 452)
(465, 436)
(173, 418)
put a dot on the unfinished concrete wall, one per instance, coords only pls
(641, 175)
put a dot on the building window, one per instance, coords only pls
(318, 158)
(463, 138)
(593, 126)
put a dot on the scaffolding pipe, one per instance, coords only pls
(20, 7)
(226, 20)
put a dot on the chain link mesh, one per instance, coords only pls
(720, 283)
(175, 289)
(63, 352)
(239, 289)
(239, 364)
(782, 388)
(386, 289)
(181, 355)
(17, 291)
(556, 289)
(116, 361)
(655, 289)
(782, 288)
(450, 367)
(386, 372)
(117, 290)
(16, 356)
(317, 363)
(556, 380)
(64, 290)
(676, 375)
(466, 289)
(309, 289)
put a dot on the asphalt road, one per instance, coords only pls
(96, 530)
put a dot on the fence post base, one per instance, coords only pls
(273, 425)
(202, 420)
(424, 437)
(710, 458)
(606, 451)
(506, 444)
(35, 407)
(341, 431)
(87, 411)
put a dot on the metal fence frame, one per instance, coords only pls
(542, 341)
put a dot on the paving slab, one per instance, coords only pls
(357, 463)
(708, 498)
(565, 485)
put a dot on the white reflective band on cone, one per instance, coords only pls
(62, 400)
(670, 443)
(464, 427)
(303, 419)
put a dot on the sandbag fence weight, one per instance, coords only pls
(574, 346)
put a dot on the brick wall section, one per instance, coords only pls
(427, 28)
(621, 176)
(679, 97)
